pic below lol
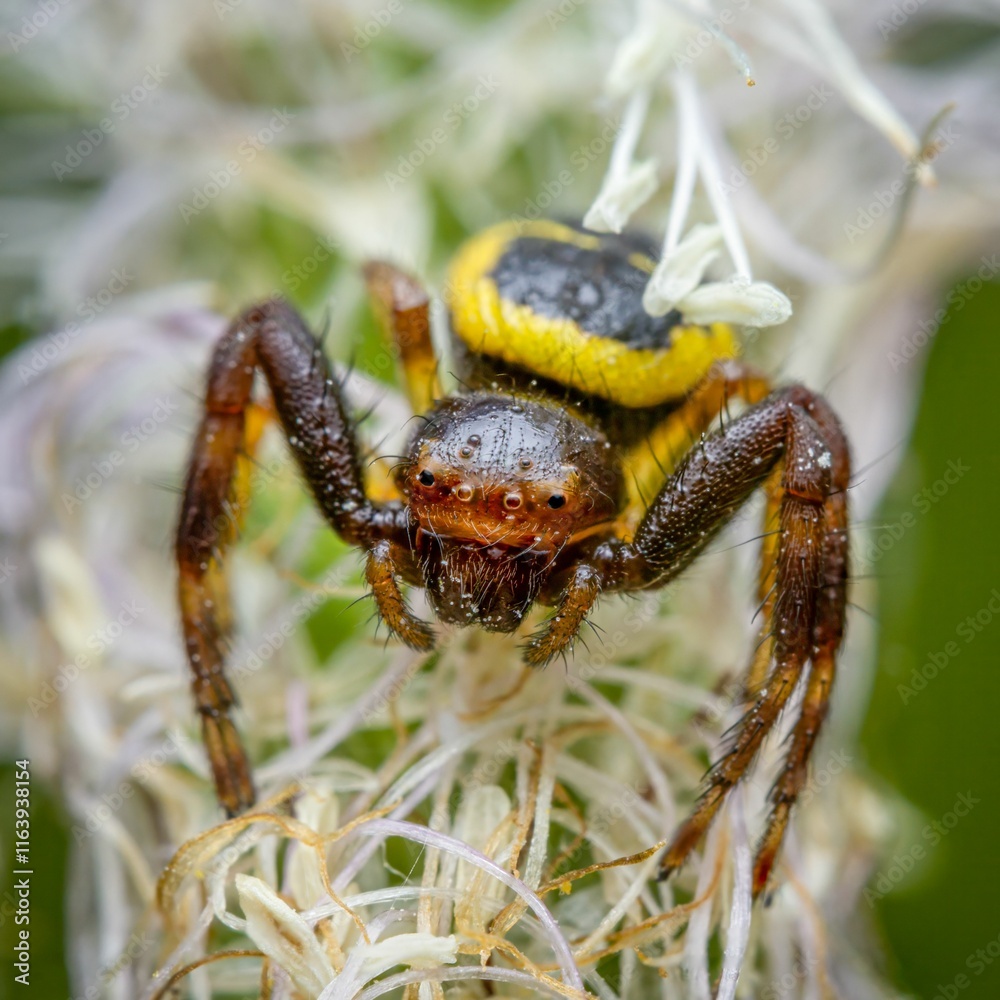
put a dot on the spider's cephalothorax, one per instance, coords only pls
(497, 486)
(579, 459)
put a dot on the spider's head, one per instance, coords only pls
(495, 469)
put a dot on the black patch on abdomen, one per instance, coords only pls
(598, 290)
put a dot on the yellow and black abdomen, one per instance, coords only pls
(564, 304)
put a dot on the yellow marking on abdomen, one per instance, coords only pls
(558, 349)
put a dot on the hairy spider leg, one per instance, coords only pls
(272, 338)
(828, 634)
(652, 460)
(796, 429)
(649, 462)
(794, 433)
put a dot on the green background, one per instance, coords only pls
(946, 739)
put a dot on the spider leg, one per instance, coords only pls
(561, 629)
(380, 572)
(795, 432)
(403, 308)
(828, 633)
(273, 339)
(652, 460)
(650, 464)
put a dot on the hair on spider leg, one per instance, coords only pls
(325, 326)
(767, 597)
(643, 499)
(724, 413)
(855, 473)
(764, 638)
(365, 414)
(358, 600)
(842, 370)
(598, 631)
(747, 541)
(161, 484)
(868, 613)
(583, 642)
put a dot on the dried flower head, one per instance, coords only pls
(452, 825)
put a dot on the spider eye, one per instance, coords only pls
(426, 478)
(556, 501)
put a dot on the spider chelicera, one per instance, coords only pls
(577, 460)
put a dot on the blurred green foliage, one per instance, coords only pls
(936, 736)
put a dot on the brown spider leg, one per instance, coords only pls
(827, 636)
(380, 572)
(559, 631)
(654, 458)
(766, 586)
(272, 338)
(791, 427)
(673, 437)
(402, 307)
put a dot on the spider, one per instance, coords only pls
(579, 459)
